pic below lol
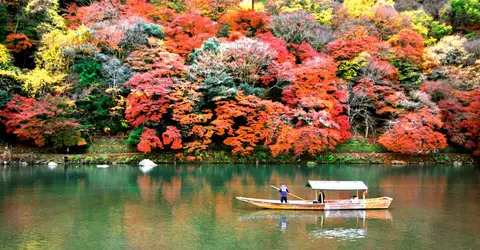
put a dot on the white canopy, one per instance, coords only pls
(336, 185)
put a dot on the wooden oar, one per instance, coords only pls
(289, 193)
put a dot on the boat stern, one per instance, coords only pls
(379, 203)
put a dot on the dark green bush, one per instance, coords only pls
(134, 137)
(462, 12)
(439, 30)
(409, 75)
(153, 30)
(88, 71)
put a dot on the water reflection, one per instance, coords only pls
(147, 168)
(283, 223)
(343, 225)
(195, 207)
(340, 233)
(339, 224)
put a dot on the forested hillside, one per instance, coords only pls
(296, 76)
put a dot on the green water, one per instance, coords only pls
(194, 207)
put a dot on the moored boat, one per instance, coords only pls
(342, 204)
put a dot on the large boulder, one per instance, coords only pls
(147, 162)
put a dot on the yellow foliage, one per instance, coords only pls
(7, 75)
(321, 10)
(8, 72)
(449, 51)
(359, 8)
(419, 21)
(39, 81)
(324, 16)
(247, 5)
(57, 49)
(390, 3)
(47, 11)
(5, 57)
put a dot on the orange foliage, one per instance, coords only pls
(45, 121)
(148, 141)
(246, 23)
(303, 52)
(17, 42)
(279, 45)
(345, 50)
(262, 121)
(388, 21)
(148, 102)
(408, 45)
(278, 126)
(414, 133)
(115, 10)
(315, 86)
(187, 32)
(461, 113)
(172, 135)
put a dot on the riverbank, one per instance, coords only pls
(116, 150)
(225, 157)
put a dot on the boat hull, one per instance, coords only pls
(374, 203)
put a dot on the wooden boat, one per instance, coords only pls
(362, 204)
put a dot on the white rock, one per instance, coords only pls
(457, 163)
(52, 164)
(147, 162)
(102, 166)
(146, 169)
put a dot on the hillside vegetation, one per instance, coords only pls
(295, 77)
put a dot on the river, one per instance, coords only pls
(194, 207)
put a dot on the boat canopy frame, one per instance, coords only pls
(336, 185)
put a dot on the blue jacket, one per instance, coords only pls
(283, 190)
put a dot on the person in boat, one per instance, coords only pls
(283, 190)
(354, 199)
(321, 197)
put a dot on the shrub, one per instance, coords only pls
(46, 122)
(301, 26)
(408, 74)
(425, 25)
(449, 51)
(440, 30)
(153, 30)
(462, 12)
(134, 137)
(88, 71)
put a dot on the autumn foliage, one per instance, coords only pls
(17, 42)
(414, 133)
(290, 77)
(149, 141)
(187, 32)
(44, 122)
